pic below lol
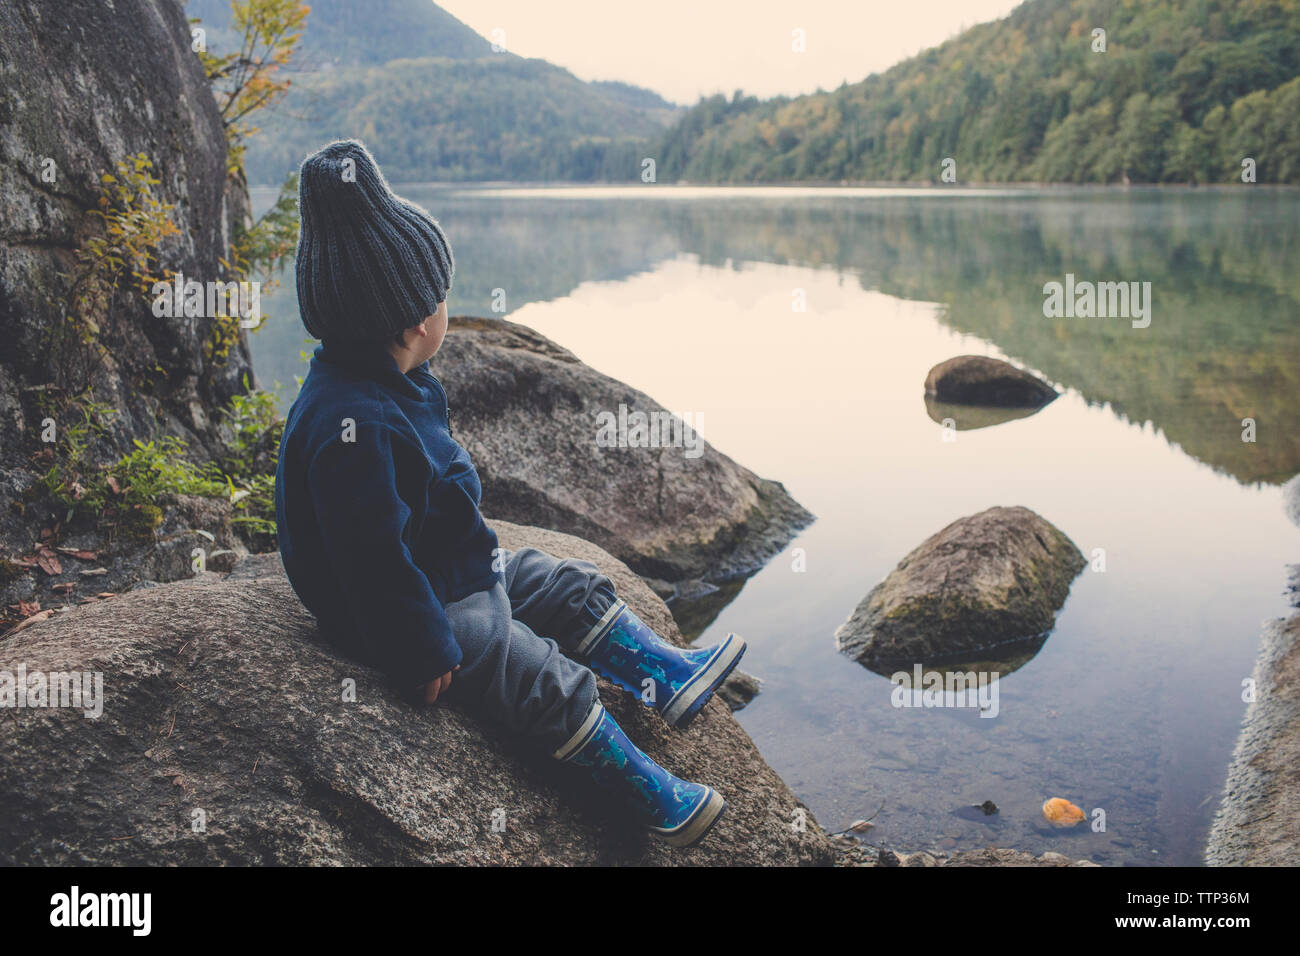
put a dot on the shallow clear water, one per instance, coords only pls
(1133, 704)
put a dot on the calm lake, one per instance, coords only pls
(1133, 704)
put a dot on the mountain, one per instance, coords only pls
(1183, 92)
(344, 33)
(437, 119)
(434, 103)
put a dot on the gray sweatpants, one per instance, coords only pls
(513, 671)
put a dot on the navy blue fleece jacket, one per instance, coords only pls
(377, 511)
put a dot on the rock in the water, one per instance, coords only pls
(991, 579)
(527, 410)
(219, 698)
(1291, 499)
(739, 689)
(980, 380)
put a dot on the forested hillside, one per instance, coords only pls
(434, 103)
(361, 32)
(1183, 92)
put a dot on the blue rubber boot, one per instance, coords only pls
(674, 681)
(674, 810)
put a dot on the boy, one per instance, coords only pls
(381, 535)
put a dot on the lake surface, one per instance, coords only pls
(1133, 704)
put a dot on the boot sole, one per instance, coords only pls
(690, 700)
(697, 827)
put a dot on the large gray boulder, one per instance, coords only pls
(993, 579)
(221, 706)
(527, 410)
(980, 380)
(85, 84)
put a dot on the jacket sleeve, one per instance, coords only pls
(364, 527)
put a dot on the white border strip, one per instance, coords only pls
(583, 734)
(596, 633)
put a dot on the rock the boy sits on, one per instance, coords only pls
(380, 530)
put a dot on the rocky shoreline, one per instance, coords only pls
(224, 702)
(1256, 823)
(850, 852)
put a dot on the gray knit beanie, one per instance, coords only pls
(370, 264)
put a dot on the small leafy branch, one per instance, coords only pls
(122, 254)
(244, 82)
(262, 249)
(249, 79)
(124, 495)
(267, 246)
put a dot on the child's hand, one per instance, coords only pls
(438, 685)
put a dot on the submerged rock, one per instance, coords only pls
(527, 410)
(221, 705)
(739, 689)
(980, 380)
(695, 610)
(993, 579)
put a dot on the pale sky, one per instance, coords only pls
(683, 49)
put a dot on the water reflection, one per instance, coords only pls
(1221, 263)
(970, 417)
(953, 671)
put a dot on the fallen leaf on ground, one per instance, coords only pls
(48, 562)
(79, 553)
